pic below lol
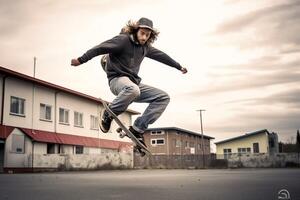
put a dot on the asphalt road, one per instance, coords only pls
(152, 184)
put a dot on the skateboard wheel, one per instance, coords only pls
(122, 135)
(142, 154)
(119, 130)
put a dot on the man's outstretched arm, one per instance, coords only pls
(162, 57)
(113, 45)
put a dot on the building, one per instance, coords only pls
(44, 126)
(261, 141)
(176, 141)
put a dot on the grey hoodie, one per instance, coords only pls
(125, 56)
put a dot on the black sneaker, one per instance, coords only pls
(138, 135)
(106, 120)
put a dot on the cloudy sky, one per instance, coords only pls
(242, 56)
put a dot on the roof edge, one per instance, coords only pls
(56, 87)
(243, 136)
(179, 129)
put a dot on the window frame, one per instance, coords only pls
(64, 116)
(18, 113)
(79, 119)
(44, 118)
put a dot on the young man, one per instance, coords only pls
(125, 52)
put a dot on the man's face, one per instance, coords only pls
(143, 35)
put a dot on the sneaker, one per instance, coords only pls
(106, 120)
(138, 135)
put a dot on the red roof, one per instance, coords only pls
(60, 138)
(5, 131)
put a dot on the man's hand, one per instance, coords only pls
(183, 70)
(75, 62)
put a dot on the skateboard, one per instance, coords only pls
(123, 131)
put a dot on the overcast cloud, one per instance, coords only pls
(243, 56)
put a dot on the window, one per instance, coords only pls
(78, 149)
(63, 116)
(199, 146)
(18, 143)
(94, 122)
(17, 106)
(157, 141)
(244, 150)
(50, 148)
(187, 144)
(178, 143)
(157, 132)
(227, 153)
(192, 144)
(45, 112)
(78, 118)
(255, 148)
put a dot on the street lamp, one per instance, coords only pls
(202, 141)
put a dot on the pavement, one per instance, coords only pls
(233, 184)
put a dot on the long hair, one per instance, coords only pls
(132, 28)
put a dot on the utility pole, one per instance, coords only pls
(34, 66)
(202, 141)
(32, 117)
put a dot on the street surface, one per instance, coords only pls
(242, 184)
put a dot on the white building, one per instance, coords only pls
(48, 127)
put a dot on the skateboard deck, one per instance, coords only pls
(123, 130)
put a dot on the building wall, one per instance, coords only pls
(26, 90)
(1, 90)
(92, 158)
(21, 89)
(21, 160)
(157, 149)
(262, 139)
(169, 148)
(34, 95)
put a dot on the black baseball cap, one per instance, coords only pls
(145, 23)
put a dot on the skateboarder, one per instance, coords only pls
(124, 54)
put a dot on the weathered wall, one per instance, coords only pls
(264, 160)
(173, 161)
(106, 160)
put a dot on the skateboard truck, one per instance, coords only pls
(123, 131)
(136, 149)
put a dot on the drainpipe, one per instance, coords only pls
(32, 167)
(3, 98)
(55, 110)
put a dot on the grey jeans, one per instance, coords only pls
(128, 92)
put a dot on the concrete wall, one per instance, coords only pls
(105, 160)
(173, 161)
(264, 160)
(92, 158)
(262, 139)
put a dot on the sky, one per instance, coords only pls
(242, 56)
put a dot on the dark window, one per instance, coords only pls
(50, 148)
(17, 106)
(79, 149)
(255, 148)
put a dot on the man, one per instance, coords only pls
(125, 52)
